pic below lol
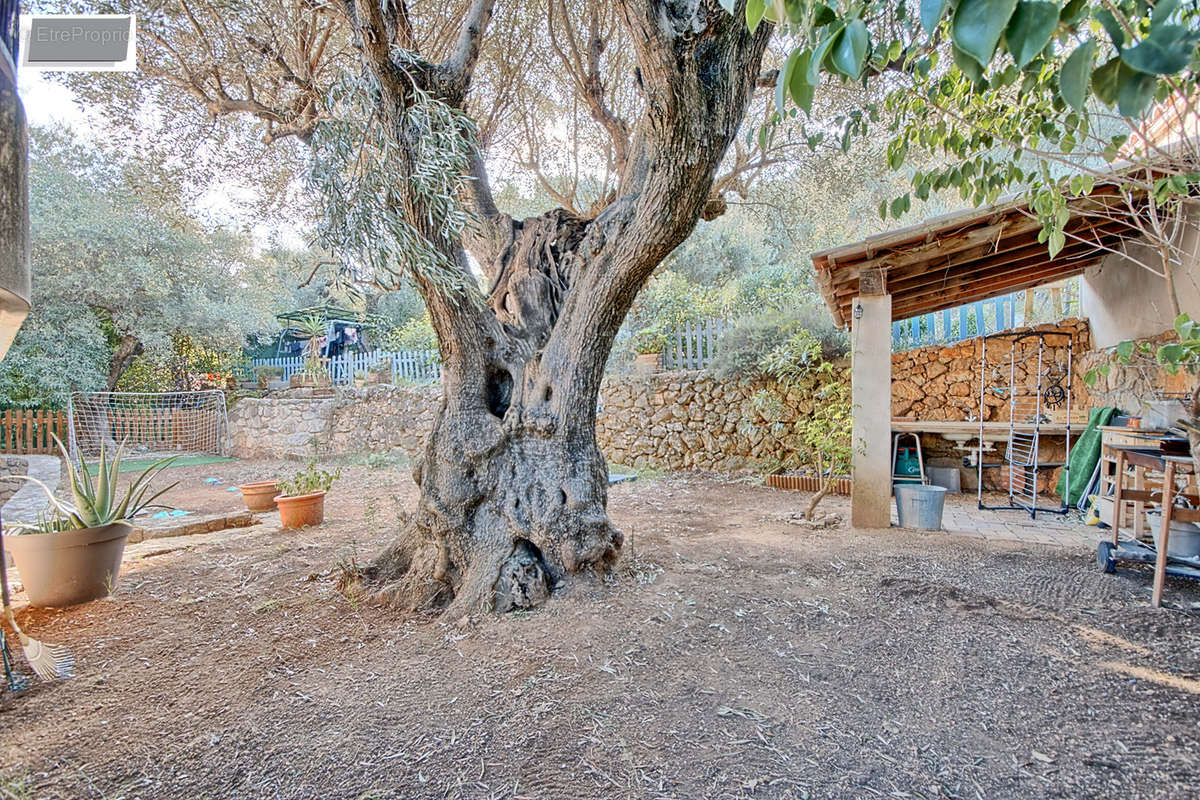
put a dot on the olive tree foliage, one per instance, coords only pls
(1057, 100)
(115, 277)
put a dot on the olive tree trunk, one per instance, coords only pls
(513, 485)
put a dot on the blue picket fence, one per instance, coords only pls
(955, 324)
(978, 319)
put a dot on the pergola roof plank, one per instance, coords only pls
(971, 255)
(980, 276)
(981, 257)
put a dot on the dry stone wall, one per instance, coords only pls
(281, 426)
(380, 419)
(940, 383)
(308, 423)
(672, 420)
(692, 420)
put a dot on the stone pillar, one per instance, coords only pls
(871, 385)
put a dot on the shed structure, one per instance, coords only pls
(943, 263)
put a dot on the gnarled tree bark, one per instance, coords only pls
(513, 485)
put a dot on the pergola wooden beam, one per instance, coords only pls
(980, 259)
(1013, 282)
(970, 256)
(949, 287)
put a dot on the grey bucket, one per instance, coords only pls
(920, 506)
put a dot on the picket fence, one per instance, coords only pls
(418, 366)
(982, 318)
(27, 431)
(693, 345)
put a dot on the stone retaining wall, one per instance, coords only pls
(674, 420)
(942, 382)
(692, 420)
(308, 423)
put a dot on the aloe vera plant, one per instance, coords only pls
(99, 503)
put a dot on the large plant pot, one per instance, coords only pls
(71, 567)
(646, 363)
(260, 495)
(301, 511)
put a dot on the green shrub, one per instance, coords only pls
(819, 440)
(309, 481)
(770, 341)
(415, 334)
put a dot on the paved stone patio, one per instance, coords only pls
(963, 517)
(30, 499)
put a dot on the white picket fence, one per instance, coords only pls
(421, 366)
(693, 345)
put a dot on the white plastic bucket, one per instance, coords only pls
(1185, 536)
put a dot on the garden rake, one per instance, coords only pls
(49, 661)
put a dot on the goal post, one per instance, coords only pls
(149, 423)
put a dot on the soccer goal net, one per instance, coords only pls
(149, 423)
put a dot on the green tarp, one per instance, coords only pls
(1085, 453)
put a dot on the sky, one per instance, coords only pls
(49, 103)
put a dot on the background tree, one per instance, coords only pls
(116, 278)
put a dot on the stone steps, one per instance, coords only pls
(190, 525)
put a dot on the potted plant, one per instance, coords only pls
(315, 374)
(360, 378)
(314, 328)
(649, 344)
(301, 500)
(73, 554)
(260, 495)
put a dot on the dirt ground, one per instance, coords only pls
(732, 655)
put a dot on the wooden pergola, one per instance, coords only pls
(943, 263)
(965, 256)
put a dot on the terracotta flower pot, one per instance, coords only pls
(70, 567)
(646, 363)
(260, 495)
(301, 511)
